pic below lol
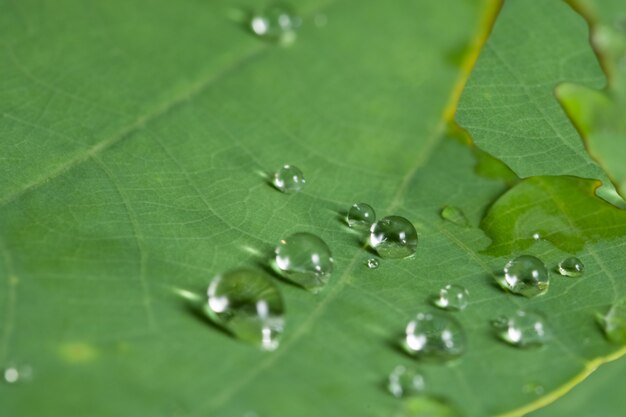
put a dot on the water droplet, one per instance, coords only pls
(304, 259)
(403, 382)
(276, 23)
(533, 388)
(454, 215)
(320, 20)
(393, 237)
(289, 179)
(536, 236)
(524, 329)
(571, 267)
(452, 297)
(11, 375)
(361, 215)
(372, 263)
(614, 322)
(247, 304)
(435, 335)
(525, 275)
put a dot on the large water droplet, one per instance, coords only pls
(361, 215)
(404, 381)
(393, 237)
(372, 263)
(614, 322)
(434, 335)
(524, 328)
(305, 259)
(289, 179)
(277, 23)
(571, 267)
(525, 275)
(454, 215)
(452, 297)
(247, 304)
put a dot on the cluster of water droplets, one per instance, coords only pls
(14, 374)
(248, 304)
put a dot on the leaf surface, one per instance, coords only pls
(138, 139)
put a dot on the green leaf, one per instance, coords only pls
(139, 139)
(508, 105)
(600, 116)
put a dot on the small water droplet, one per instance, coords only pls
(452, 297)
(11, 375)
(454, 215)
(403, 382)
(320, 20)
(372, 263)
(289, 179)
(304, 259)
(536, 236)
(614, 322)
(571, 267)
(525, 275)
(434, 335)
(523, 329)
(361, 215)
(277, 23)
(247, 304)
(393, 237)
(533, 388)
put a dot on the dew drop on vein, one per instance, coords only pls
(403, 381)
(525, 275)
(276, 23)
(454, 215)
(435, 335)
(289, 179)
(372, 263)
(524, 328)
(452, 297)
(361, 216)
(393, 237)
(571, 267)
(304, 259)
